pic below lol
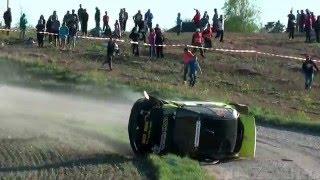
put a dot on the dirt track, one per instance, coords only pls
(45, 134)
(280, 155)
(48, 135)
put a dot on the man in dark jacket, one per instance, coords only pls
(159, 41)
(148, 17)
(302, 21)
(85, 22)
(215, 20)
(309, 68)
(317, 29)
(134, 36)
(308, 26)
(80, 16)
(40, 29)
(49, 25)
(97, 17)
(7, 19)
(138, 21)
(291, 25)
(125, 13)
(111, 49)
(298, 21)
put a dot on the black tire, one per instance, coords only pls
(134, 122)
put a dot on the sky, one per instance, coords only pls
(164, 11)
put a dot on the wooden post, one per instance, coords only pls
(7, 4)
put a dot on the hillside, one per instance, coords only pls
(265, 83)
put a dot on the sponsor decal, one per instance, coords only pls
(164, 133)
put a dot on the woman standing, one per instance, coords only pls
(40, 30)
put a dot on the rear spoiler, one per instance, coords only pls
(241, 108)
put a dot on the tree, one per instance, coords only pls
(241, 16)
(274, 27)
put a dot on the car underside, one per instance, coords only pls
(201, 130)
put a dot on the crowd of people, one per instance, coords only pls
(304, 22)
(64, 34)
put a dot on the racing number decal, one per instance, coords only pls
(197, 136)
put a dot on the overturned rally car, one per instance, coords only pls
(202, 130)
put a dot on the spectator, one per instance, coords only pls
(138, 20)
(302, 21)
(205, 20)
(308, 26)
(197, 40)
(194, 68)
(317, 29)
(187, 57)
(67, 19)
(48, 28)
(291, 24)
(134, 36)
(63, 35)
(117, 29)
(125, 19)
(298, 21)
(72, 35)
(159, 41)
(105, 21)
(111, 50)
(108, 32)
(309, 68)
(215, 20)
(85, 22)
(97, 17)
(7, 19)
(80, 16)
(207, 35)
(75, 19)
(40, 30)
(179, 24)
(313, 19)
(148, 17)
(121, 20)
(197, 19)
(220, 32)
(55, 26)
(152, 42)
(23, 26)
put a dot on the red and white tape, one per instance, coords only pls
(179, 45)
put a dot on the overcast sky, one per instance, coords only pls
(164, 11)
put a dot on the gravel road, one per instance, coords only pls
(280, 154)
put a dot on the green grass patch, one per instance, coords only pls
(171, 167)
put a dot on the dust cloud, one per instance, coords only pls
(78, 121)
